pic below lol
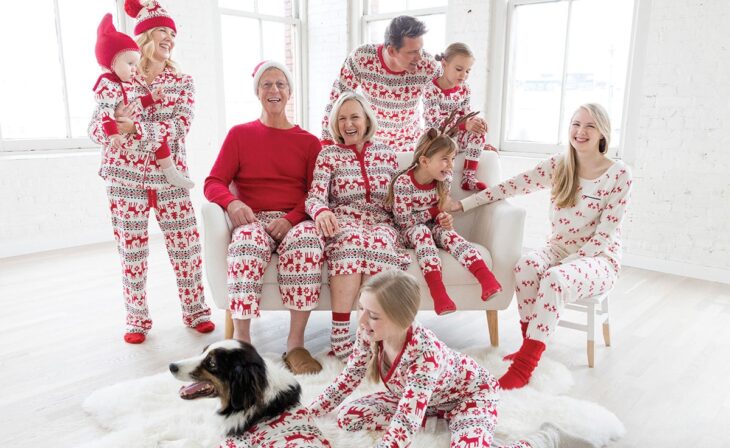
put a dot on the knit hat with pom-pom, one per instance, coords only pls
(149, 15)
(110, 43)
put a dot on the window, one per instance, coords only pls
(48, 72)
(561, 54)
(378, 13)
(253, 31)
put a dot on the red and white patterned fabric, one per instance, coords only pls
(136, 184)
(394, 96)
(291, 429)
(272, 170)
(426, 379)
(414, 208)
(299, 269)
(583, 255)
(165, 122)
(109, 91)
(439, 103)
(130, 209)
(353, 185)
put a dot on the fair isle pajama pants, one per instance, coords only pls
(543, 287)
(299, 269)
(471, 422)
(470, 144)
(130, 209)
(425, 240)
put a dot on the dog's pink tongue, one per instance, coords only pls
(195, 390)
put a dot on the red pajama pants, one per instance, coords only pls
(130, 209)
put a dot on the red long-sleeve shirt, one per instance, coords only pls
(271, 169)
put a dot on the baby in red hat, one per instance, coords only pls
(119, 54)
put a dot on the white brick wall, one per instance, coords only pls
(678, 146)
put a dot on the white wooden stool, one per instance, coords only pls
(589, 306)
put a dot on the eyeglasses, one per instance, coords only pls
(280, 85)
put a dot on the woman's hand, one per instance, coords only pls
(126, 126)
(278, 228)
(240, 213)
(453, 206)
(445, 220)
(326, 223)
(129, 111)
(476, 125)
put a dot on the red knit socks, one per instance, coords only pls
(523, 327)
(205, 327)
(442, 303)
(340, 336)
(134, 338)
(469, 180)
(524, 364)
(490, 285)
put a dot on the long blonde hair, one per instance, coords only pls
(565, 180)
(431, 143)
(147, 50)
(398, 295)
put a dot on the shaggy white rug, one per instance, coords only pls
(147, 412)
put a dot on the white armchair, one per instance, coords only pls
(496, 230)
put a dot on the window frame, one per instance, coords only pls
(297, 20)
(499, 87)
(366, 17)
(14, 147)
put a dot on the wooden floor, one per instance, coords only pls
(667, 375)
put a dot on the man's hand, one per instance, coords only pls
(240, 213)
(278, 228)
(326, 223)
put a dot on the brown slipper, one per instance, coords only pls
(299, 361)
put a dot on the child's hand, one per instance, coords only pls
(476, 125)
(445, 220)
(453, 206)
(116, 141)
(158, 95)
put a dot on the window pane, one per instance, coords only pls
(79, 21)
(536, 67)
(279, 44)
(241, 53)
(31, 93)
(598, 54)
(280, 8)
(386, 6)
(434, 41)
(241, 5)
(420, 4)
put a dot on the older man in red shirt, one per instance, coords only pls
(270, 161)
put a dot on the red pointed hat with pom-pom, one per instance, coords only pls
(149, 15)
(110, 43)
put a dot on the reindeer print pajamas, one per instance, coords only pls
(353, 186)
(415, 206)
(136, 184)
(582, 258)
(426, 379)
(439, 103)
(291, 429)
(394, 96)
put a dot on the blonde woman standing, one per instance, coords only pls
(136, 184)
(589, 196)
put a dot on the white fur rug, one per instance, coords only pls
(147, 412)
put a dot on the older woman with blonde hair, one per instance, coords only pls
(589, 197)
(347, 202)
(136, 184)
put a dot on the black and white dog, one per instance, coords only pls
(259, 400)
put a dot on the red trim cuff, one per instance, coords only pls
(146, 100)
(434, 211)
(110, 128)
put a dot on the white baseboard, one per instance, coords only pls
(677, 268)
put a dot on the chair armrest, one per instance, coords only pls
(500, 227)
(216, 238)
